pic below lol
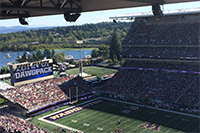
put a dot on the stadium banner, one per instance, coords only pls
(73, 110)
(31, 70)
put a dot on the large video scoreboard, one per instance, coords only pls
(28, 72)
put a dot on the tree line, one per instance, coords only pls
(48, 37)
(111, 51)
(36, 56)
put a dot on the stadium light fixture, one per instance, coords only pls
(157, 12)
(23, 21)
(71, 16)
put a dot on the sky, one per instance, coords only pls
(91, 17)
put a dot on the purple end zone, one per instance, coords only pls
(73, 110)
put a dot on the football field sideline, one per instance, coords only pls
(60, 125)
(92, 119)
(171, 111)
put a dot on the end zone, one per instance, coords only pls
(66, 112)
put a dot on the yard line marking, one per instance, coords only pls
(82, 116)
(60, 125)
(115, 118)
(147, 122)
(103, 118)
(165, 110)
(188, 124)
(173, 126)
(119, 101)
(137, 120)
(175, 112)
(195, 130)
(71, 107)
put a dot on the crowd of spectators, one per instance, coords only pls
(165, 34)
(77, 82)
(161, 52)
(63, 79)
(131, 32)
(163, 66)
(13, 124)
(155, 85)
(184, 35)
(35, 95)
(191, 95)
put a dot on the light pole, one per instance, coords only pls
(80, 63)
(102, 51)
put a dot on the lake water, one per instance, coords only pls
(75, 53)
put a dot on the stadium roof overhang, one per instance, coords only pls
(168, 13)
(10, 9)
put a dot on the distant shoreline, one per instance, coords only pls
(73, 49)
(59, 49)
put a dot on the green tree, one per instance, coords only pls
(110, 61)
(115, 46)
(95, 53)
(50, 37)
(35, 58)
(60, 57)
(5, 70)
(52, 53)
(47, 53)
(115, 60)
(39, 55)
(23, 59)
(30, 58)
(104, 50)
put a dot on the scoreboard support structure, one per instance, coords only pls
(72, 102)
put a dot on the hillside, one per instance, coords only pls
(22, 40)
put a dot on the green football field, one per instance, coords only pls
(92, 70)
(104, 116)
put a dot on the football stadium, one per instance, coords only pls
(156, 89)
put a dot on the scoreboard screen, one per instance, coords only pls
(31, 71)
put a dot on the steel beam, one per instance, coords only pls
(147, 1)
(49, 9)
(13, 14)
(52, 3)
(26, 2)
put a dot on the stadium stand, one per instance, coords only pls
(161, 63)
(158, 83)
(162, 52)
(167, 38)
(163, 34)
(12, 124)
(191, 95)
(35, 95)
(77, 82)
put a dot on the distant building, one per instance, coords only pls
(79, 41)
(35, 43)
(56, 34)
